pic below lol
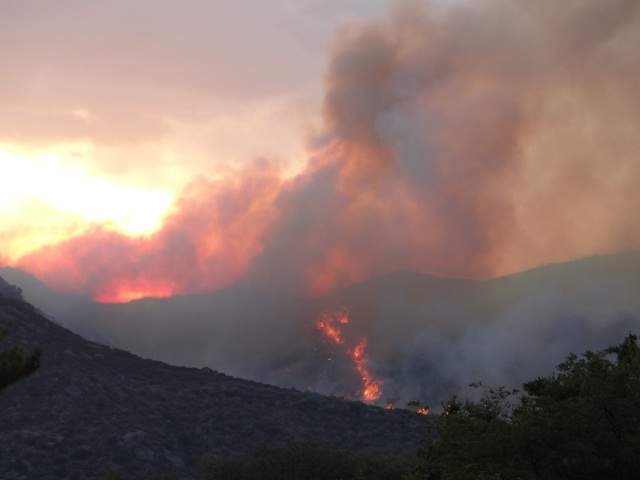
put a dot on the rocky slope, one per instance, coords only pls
(91, 408)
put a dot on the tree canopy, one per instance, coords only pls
(15, 364)
(581, 422)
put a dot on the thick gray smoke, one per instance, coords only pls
(468, 140)
(428, 337)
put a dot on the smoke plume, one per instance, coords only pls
(470, 140)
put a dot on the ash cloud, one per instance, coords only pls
(471, 141)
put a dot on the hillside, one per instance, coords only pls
(90, 408)
(427, 336)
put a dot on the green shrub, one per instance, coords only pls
(15, 364)
(582, 422)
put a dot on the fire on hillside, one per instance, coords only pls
(331, 325)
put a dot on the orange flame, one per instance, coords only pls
(372, 387)
(330, 323)
(390, 406)
(423, 411)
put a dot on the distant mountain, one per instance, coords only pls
(427, 337)
(90, 408)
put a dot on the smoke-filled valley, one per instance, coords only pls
(427, 337)
(459, 143)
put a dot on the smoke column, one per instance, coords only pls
(470, 140)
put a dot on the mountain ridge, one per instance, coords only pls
(90, 408)
(422, 331)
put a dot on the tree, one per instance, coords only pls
(15, 364)
(581, 422)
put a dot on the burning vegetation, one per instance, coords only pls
(420, 408)
(331, 324)
(424, 411)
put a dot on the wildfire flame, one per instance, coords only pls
(423, 411)
(371, 386)
(330, 324)
(390, 406)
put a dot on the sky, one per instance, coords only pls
(158, 147)
(110, 108)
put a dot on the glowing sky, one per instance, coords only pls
(110, 108)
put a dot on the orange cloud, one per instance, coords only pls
(206, 243)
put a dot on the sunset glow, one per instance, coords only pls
(127, 291)
(47, 186)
